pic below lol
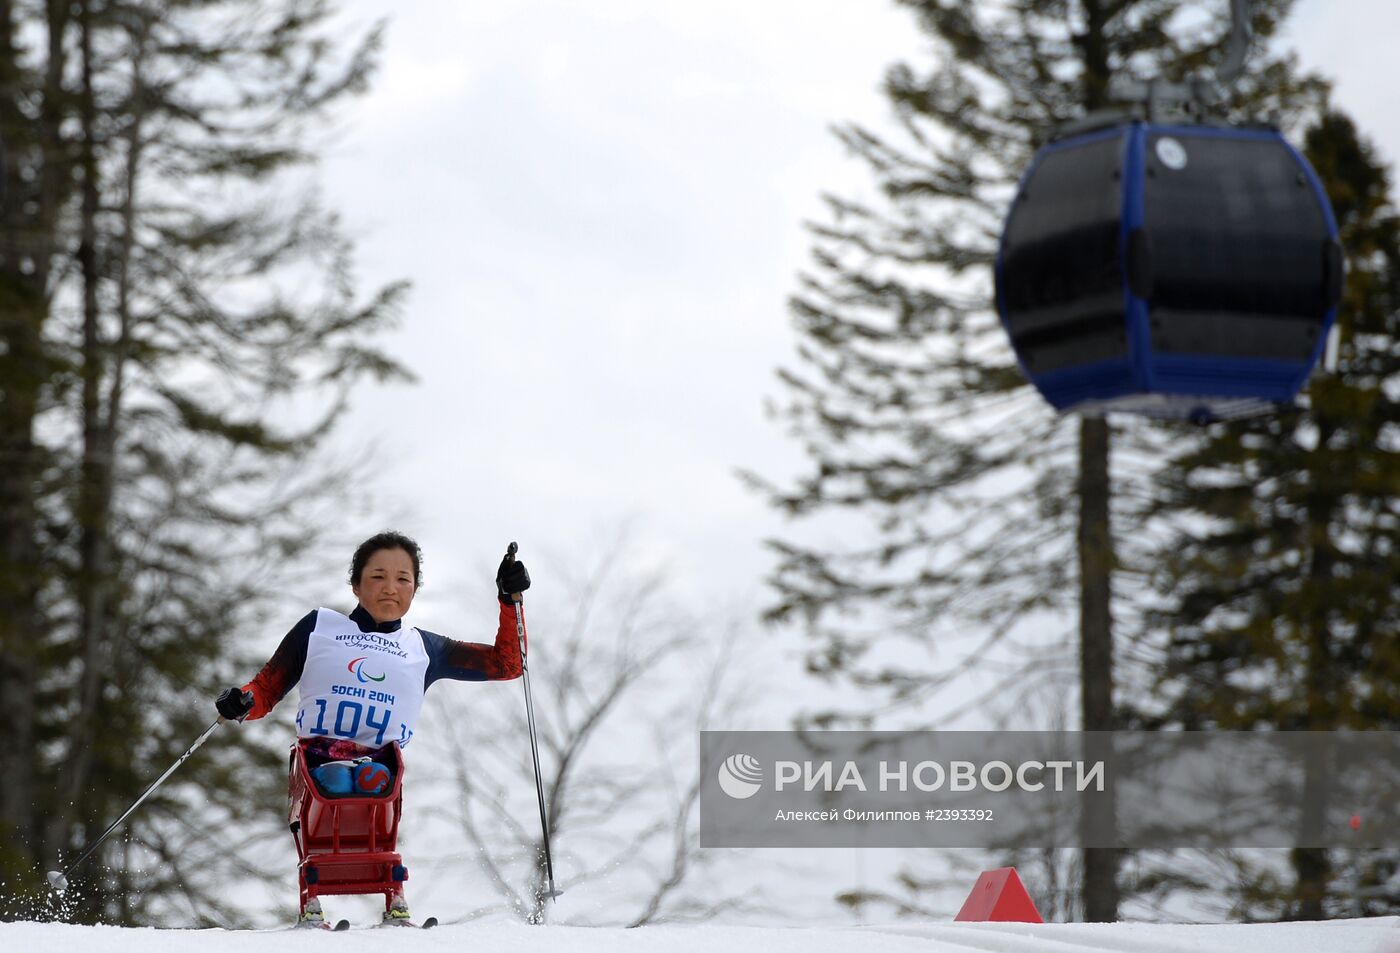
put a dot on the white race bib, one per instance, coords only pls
(365, 687)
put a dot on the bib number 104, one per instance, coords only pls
(348, 717)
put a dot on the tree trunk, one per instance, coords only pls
(1100, 885)
(95, 486)
(1100, 881)
(20, 318)
(1312, 866)
(28, 209)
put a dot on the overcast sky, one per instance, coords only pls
(600, 207)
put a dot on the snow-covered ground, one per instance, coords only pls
(1377, 935)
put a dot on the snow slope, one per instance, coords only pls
(1377, 935)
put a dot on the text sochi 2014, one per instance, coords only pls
(936, 776)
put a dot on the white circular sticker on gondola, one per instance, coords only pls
(1172, 153)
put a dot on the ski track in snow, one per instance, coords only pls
(1376, 935)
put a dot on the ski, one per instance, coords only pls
(427, 924)
(340, 926)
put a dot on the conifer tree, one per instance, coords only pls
(977, 521)
(1279, 591)
(194, 305)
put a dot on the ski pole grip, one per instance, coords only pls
(511, 550)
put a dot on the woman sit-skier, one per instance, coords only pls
(323, 650)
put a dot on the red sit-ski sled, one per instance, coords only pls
(345, 845)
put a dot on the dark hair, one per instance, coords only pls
(389, 539)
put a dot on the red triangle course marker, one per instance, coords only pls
(999, 896)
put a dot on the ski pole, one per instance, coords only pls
(58, 880)
(517, 601)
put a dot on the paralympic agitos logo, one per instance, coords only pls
(358, 668)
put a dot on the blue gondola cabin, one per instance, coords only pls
(1178, 271)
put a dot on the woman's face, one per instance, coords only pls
(386, 585)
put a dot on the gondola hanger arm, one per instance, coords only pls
(1201, 91)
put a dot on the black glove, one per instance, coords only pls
(234, 703)
(512, 577)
